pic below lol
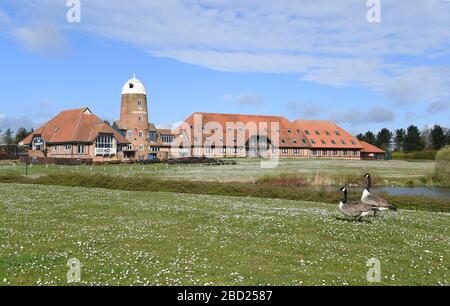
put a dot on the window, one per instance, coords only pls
(283, 141)
(304, 141)
(314, 152)
(313, 141)
(333, 142)
(337, 133)
(325, 152)
(141, 134)
(155, 149)
(38, 143)
(307, 132)
(289, 131)
(139, 102)
(141, 148)
(140, 118)
(345, 152)
(323, 141)
(152, 136)
(131, 85)
(104, 142)
(130, 147)
(343, 142)
(67, 147)
(296, 151)
(167, 138)
(130, 134)
(284, 151)
(328, 133)
(81, 149)
(294, 140)
(317, 132)
(335, 152)
(353, 142)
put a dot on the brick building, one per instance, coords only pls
(81, 134)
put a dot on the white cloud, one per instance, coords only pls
(42, 39)
(326, 42)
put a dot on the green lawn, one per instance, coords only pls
(138, 238)
(247, 169)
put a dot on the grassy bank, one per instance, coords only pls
(398, 173)
(262, 189)
(146, 238)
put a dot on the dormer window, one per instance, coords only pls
(289, 131)
(307, 132)
(131, 85)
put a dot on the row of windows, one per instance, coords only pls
(322, 141)
(67, 149)
(334, 152)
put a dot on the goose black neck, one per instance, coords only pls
(345, 197)
(369, 183)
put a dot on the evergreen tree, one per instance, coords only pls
(370, 138)
(384, 139)
(361, 137)
(21, 134)
(437, 137)
(399, 138)
(413, 141)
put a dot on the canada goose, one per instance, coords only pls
(356, 210)
(368, 198)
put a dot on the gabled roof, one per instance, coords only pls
(326, 134)
(120, 125)
(370, 148)
(289, 136)
(72, 126)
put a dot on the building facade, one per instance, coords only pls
(81, 134)
(77, 134)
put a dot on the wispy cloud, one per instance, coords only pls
(440, 106)
(244, 99)
(41, 39)
(326, 42)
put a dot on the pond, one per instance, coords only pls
(441, 193)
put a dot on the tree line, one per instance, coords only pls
(411, 139)
(8, 137)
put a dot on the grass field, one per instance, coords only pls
(124, 237)
(249, 170)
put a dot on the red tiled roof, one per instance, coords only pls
(370, 148)
(326, 134)
(72, 126)
(289, 136)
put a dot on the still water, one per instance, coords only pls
(441, 193)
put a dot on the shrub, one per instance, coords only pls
(442, 170)
(428, 155)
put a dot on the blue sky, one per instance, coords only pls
(300, 59)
